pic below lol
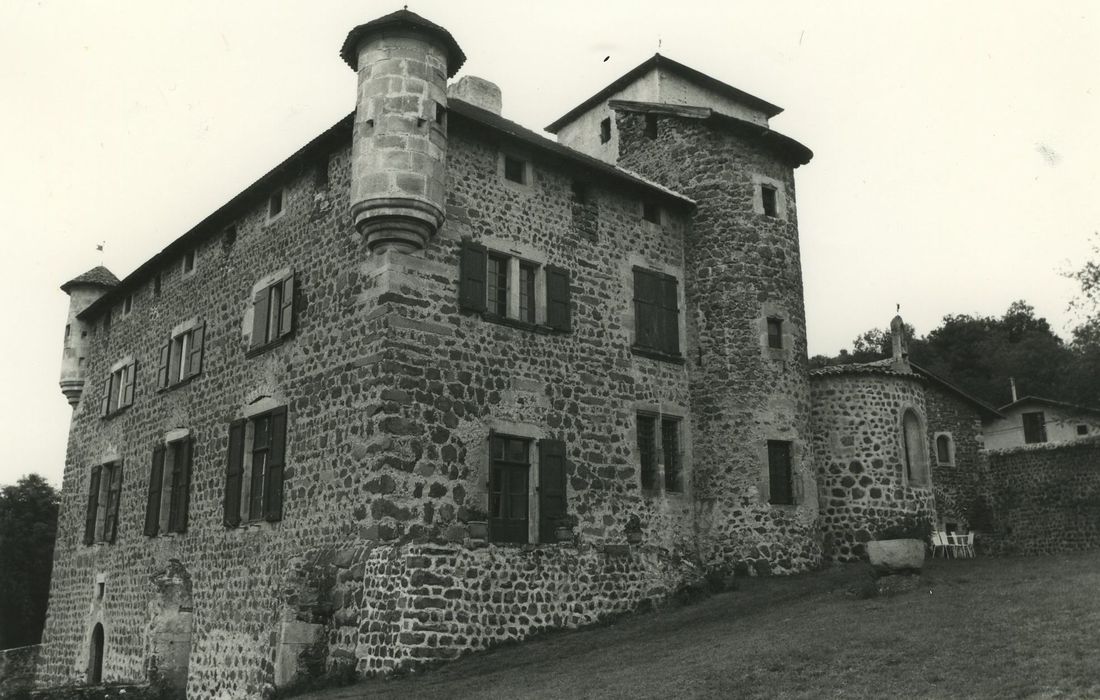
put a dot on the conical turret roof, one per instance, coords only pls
(98, 276)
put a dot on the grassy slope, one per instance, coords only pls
(1005, 628)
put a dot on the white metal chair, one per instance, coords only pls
(939, 543)
(961, 545)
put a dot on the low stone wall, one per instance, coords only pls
(404, 605)
(1045, 499)
(17, 670)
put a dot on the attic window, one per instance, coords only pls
(515, 170)
(188, 262)
(605, 130)
(651, 126)
(651, 211)
(275, 204)
(769, 200)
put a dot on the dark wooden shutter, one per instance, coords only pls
(260, 305)
(670, 312)
(165, 359)
(273, 485)
(194, 357)
(552, 503)
(114, 496)
(779, 473)
(645, 309)
(181, 486)
(557, 298)
(93, 505)
(286, 313)
(127, 397)
(105, 402)
(152, 506)
(471, 286)
(233, 467)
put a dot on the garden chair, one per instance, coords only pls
(939, 542)
(962, 545)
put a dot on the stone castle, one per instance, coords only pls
(437, 382)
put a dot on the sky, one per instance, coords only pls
(955, 143)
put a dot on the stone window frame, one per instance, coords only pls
(108, 468)
(522, 255)
(171, 440)
(528, 184)
(630, 320)
(661, 412)
(259, 409)
(798, 473)
(532, 433)
(122, 373)
(282, 194)
(774, 310)
(759, 181)
(921, 445)
(189, 262)
(950, 448)
(175, 354)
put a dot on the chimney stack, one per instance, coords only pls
(900, 344)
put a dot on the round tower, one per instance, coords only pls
(399, 146)
(82, 291)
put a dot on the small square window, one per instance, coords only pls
(275, 204)
(775, 333)
(605, 130)
(188, 261)
(1082, 430)
(651, 211)
(769, 200)
(515, 170)
(651, 126)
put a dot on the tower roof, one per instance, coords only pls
(403, 19)
(98, 276)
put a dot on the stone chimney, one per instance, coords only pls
(82, 291)
(476, 91)
(901, 345)
(399, 141)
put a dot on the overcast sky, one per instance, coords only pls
(956, 144)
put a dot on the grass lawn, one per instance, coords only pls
(1003, 628)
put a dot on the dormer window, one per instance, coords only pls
(605, 130)
(769, 200)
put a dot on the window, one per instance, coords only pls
(118, 388)
(515, 170)
(104, 492)
(275, 204)
(1082, 430)
(1035, 429)
(656, 313)
(229, 238)
(273, 312)
(651, 211)
(156, 285)
(775, 333)
(254, 468)
(181, 356)
(914, 449)
(780, 483)
(440, 114)
(169, 487)
(651, 126)
(127, 304)
(188, 262)
(945, 450)
(320, 174)
(509, 471)
(605, 130)
(486, 286)
(769, 200)
(107, 321)
(666, 444)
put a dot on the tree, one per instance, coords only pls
(28, 526)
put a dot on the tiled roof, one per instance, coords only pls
(97, 276)
(881, 367)
(1048, 402)
(398, 20)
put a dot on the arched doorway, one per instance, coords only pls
(95, 657)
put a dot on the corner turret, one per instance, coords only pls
(82, 291)
(399, 142)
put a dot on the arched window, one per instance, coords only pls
(945, 450)
(913, 449)
(95, 656)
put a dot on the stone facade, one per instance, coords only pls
(860, 445)
(17, 668)
(960, 481)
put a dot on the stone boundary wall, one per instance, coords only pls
(398, 606)
(1046, 499)
(17, 668)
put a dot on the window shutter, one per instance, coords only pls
(152, 506)
(181, 486)
(557, 298)
(162, 373)
(259, 317)
(471, 286)
(105, 402)
(93, 505)
(645, 309)
(273, 485)
(128, 387)
(233, 466)
(286, 314)
(194, 360)
(670, 330)
(111, 526)
(552, 504)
